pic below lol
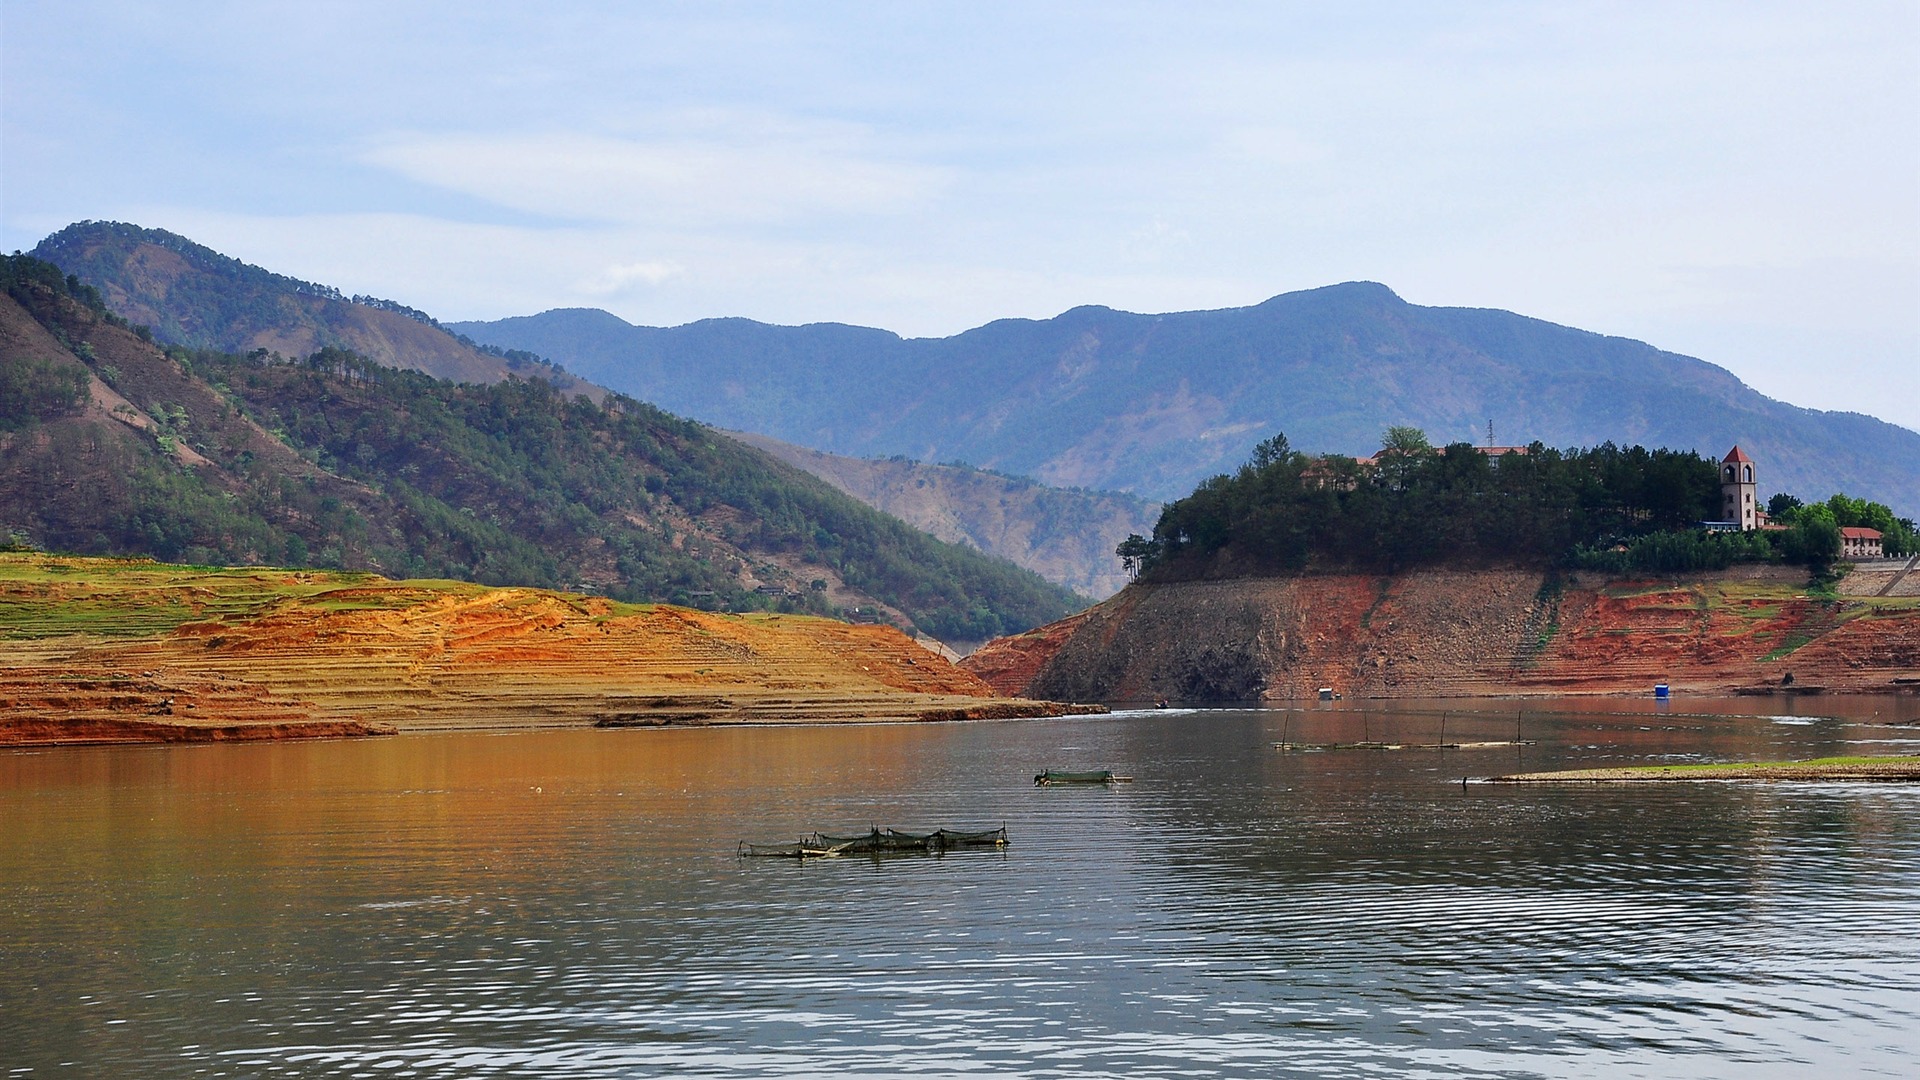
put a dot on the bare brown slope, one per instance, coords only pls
(119, 650)
(1015, 661)
(144, 380)
(67, 476)
(1437, 634)
(1065, 535)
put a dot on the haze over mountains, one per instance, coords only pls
(1152, 404)
(1067, 536)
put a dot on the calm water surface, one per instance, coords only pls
(569, 904)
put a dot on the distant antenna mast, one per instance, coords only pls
(1489, 433)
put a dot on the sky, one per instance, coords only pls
(1738, 182)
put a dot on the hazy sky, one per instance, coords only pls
(1739, 182)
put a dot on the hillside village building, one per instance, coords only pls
(1741, 510)
(1859, 543)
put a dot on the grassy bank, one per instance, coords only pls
(1882, 768)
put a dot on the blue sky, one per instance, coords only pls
(1739, 182)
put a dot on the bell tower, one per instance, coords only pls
(1737, 490)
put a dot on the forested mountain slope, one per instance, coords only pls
(191, 295)
(1066, 535)
(1152, 404)
(110, 445)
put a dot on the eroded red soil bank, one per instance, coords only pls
(1440, 634)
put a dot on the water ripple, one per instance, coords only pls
(1235, 912)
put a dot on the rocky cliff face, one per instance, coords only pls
(1440, 634)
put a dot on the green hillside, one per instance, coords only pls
(1415, 505)
(113, 445)
(1153, 404)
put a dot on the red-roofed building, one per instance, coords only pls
(1859, 543)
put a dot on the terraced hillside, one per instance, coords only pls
(128, 650)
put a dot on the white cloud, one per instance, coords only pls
(618, 279)
(1732, 182)
(728, 178)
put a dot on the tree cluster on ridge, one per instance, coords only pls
(1413, 505)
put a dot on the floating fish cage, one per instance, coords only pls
(879, 842)
(1061, 776)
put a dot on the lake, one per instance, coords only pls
(570, 904)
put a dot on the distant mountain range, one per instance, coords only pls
(1152, 404)
(188, 294)
(1066, 535)
(236, 452)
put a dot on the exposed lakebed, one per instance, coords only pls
(568, 903)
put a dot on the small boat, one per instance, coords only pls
(1062, 776)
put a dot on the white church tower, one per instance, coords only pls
(1737, 491)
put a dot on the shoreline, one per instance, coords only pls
(1680, 696)
(96, 730)
(1888, 769)
(129, 731)
(64, 704)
